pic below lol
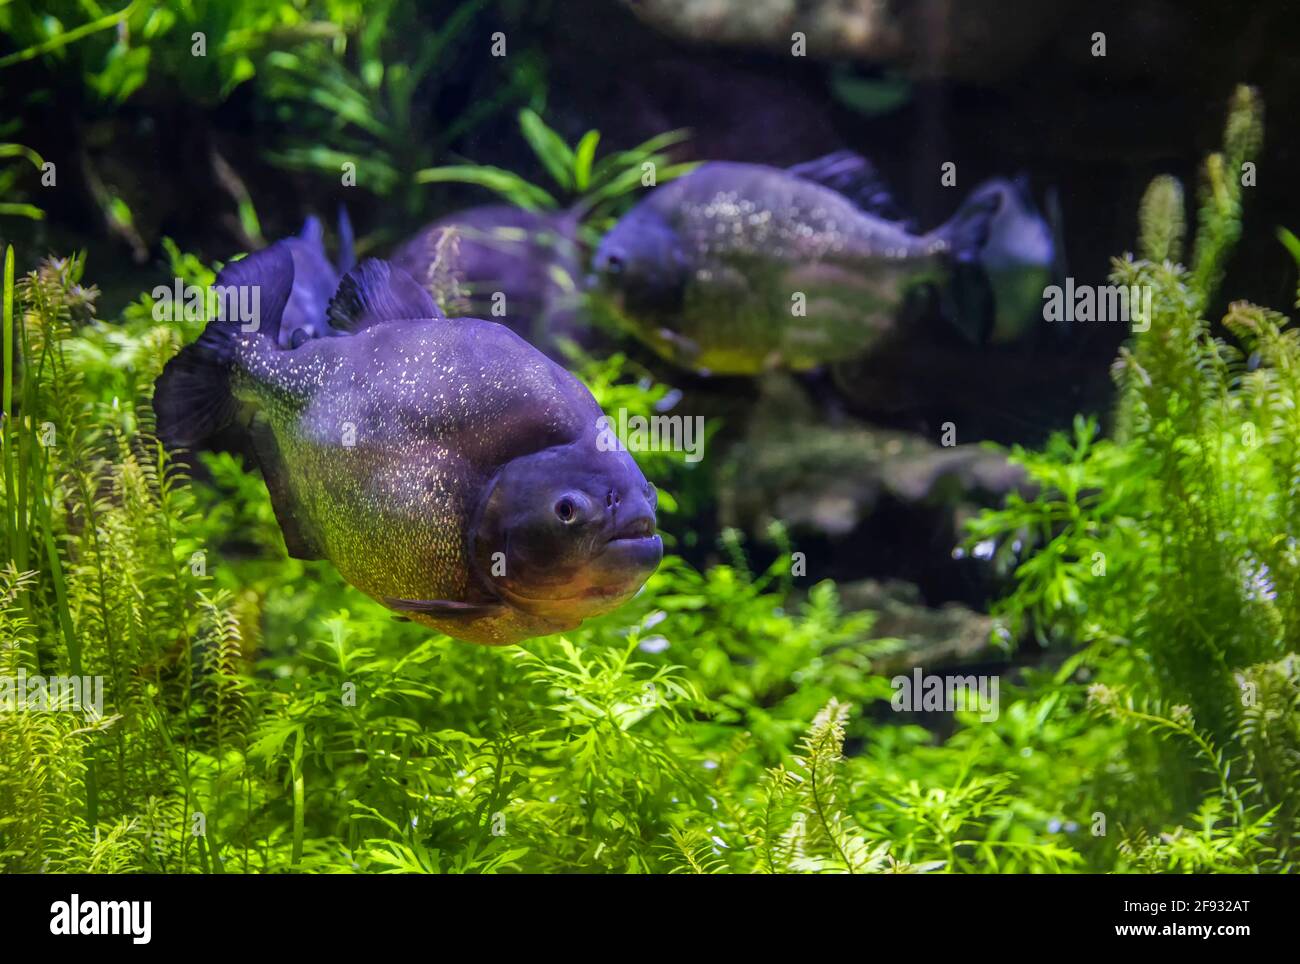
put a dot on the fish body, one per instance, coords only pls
(737, 268)
(444, 466)
(520, 268)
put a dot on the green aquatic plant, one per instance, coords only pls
(1170, 551)
(595, 188)
(12, 203)
(204, 48)
(361, 113)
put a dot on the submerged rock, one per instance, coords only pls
(970, 38)
(826, 477)
(932, 637)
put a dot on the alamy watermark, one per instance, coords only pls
(52, 694)
(946, 694)
(130, 918)
(1130, 304)
(190, 302)
(655, 433)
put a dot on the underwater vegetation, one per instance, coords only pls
(258, 714)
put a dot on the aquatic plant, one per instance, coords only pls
(358, 103)
(12, 203)
(1170, 551)
(593, 188)
(116, 53)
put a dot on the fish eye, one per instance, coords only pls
(565, 510)
(613, 264)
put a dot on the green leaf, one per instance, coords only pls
(583, 157)
(549, 147)
(506, 183)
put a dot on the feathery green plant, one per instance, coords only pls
(1171, 551)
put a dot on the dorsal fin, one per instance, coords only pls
(856, 178)
(312, 232)
(270, 271)
(376, 291)
(192, 397)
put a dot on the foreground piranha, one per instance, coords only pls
(738, 268)
(445, 467)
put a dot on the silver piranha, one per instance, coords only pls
(737, 268)
(445, 467)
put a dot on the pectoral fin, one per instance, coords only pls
(300, 539)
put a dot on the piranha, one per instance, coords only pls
(518, 267)
(738, 268)
(445, 467)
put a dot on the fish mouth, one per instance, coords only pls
(634, 549)
(642, 527)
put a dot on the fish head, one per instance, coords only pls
(567, 532)
(641, 266)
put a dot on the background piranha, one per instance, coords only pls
(518, 267)
(736, 268)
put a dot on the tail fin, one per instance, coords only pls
(967, 231)
(192, 398)
(968, 299)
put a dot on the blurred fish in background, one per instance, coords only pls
(507, 264)
(739, 268)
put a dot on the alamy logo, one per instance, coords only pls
(52, 694)
(1126, 303)
(658, 433)
(187, 302)
(946, 694)
(130, 917)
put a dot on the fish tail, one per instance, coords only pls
(193, 397)
(967, 231)
(968, 297)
